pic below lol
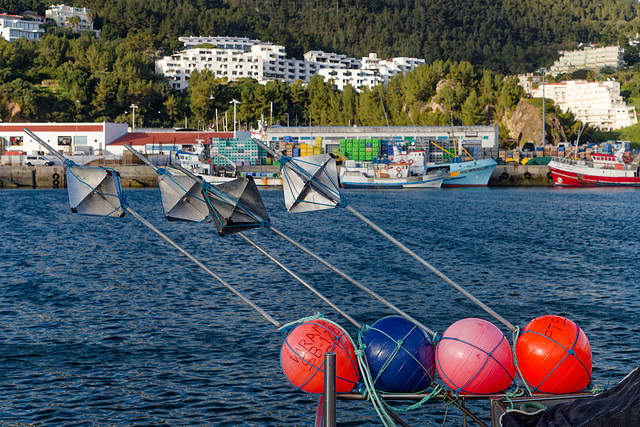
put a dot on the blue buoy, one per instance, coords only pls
(400, 356)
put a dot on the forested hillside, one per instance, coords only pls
(506, 36)
(470, 47)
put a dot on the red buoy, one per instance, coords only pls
(554, 355)
(302, 356)
(474, 357)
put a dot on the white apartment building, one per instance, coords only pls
(372, 72)
(62, 15)
(233, 58)
(12, 27)
(595, 103)
(235, 43)
(331, 60)
(590, 58)
(359, 79)
(264, 62)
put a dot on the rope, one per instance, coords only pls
(309, 179)
(368, 388)
(123, 204)
(489, 355)
(287, 328)
(223, 197)
(516, 334)
(570, 352)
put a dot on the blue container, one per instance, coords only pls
(296, 152)
(400, 355)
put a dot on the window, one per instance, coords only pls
(64, 140)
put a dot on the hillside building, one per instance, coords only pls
(598, 104)
(13, 27)
(372, 71)
(589, 58)
(234, 58)
(76, 18)
(30, 15)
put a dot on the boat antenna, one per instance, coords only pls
(311, 182)
(382, 102)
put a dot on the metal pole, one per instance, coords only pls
(335, 198)
(204, 267)
(174, 244)
(305, 284)
(352, 280)
(265, 253)
(543, 126)
(432, 268)
(330, 390)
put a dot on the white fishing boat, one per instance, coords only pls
(458, 173)
(470, 173)
(389, 176)
(192, 161)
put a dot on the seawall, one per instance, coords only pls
(137, 176)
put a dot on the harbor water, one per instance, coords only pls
(103, 323)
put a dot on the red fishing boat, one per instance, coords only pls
(603, 170)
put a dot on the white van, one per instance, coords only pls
(37, 161)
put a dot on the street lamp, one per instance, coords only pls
(544, 72)
(211, 98)
(234, 102)
(287, 114)
(133, 118)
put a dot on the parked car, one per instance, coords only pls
(37, 161)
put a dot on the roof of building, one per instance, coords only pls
(53, 127)
(6, 15)
(167, 138)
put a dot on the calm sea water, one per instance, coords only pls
(102, 323)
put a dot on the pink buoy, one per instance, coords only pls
(474, 357)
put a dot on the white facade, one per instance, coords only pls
(234, 43)
(590, 58)
(359, 79)
(236, 58)
(331, 60)
(596, 103)
(61, 15)
(67, 138)
(12, 27)
(372, 72)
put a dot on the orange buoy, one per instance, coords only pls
(554, 355)
(302, 356)
(474, 357)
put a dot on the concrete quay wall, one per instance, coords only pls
(55, 177)
(136, 176)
